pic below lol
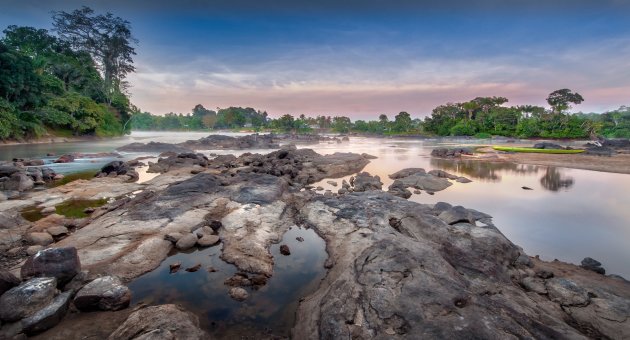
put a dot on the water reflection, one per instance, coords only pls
(485, 171)
(270, 309)
(554, 180)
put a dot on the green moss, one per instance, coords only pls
(89, 174)
(75, 208)
(534, 150)
(32, 213)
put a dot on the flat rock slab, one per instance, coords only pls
(60, 263)
(27, 298)
(161, 322)
(103, 293)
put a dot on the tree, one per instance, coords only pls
(402, 122)
(559, 100)
(106, 38)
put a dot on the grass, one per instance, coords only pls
(534, 150)
(88, 175)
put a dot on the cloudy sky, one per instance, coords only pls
(364, 58)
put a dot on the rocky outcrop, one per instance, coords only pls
(418, 179)
(214, 142)
(365, 182)
(17, 177)
(103, 293)
(60, 263)
(451, 152)
(160, 322)
(178, 161)
(120, 168)
(156, 147)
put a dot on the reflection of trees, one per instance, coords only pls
(488, 171)
(553, 180)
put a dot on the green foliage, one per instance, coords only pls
(559, 100)
(483, 135)
(8, 120)
(534, 150)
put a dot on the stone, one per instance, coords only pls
(547, 145)
(406, 173)
(462, 180)
(42, 239)
(397, 188)
(365, 182)
(592, 265)
(450, 152)
(284, 250)
(534, 285)
(238, 293)
(26, 299)
(194, 268)
(524, 260)
(57, 231)
(208, 240)
(7, 281)
(442, 174)
(186, 242)
(423, 181)
(215, 225)
(103, 293)
(300, 239)
(49, 316)
(526, 188)
(457, 214)
(32, 250)
(60, 263)
(48, 210)
(18, 181)
(65, 159)
(333, 183)
(160, 322)
(173, 237)
(174, 267)
(566, 292)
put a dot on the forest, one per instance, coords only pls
(69, 82)
(481, 117)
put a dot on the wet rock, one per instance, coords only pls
(42, 239)
(186, 242)
(566, 292)
(592, 265)
(208, 240)
(60, 263)
(284, 250)
(26, 299)
(32, 250)
(238, 280)
(49, 316)
(103, 293)
(174, 267)
(457, 214)
(319, 188)
(194, 268)
(48, 210)
(57, 231)
(168, 321)
(215, 225)
(365, 182)
(7, 281)
(182, 160)
(547, 145)
(65, 159)
(424, 181)
(442, 174)
(238, 294)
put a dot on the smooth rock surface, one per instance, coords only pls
(166, 321)
(60, 263)
(103, 293)
(48, 316)
(27, 298)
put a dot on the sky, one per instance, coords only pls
(364, 58)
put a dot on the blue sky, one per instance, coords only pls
(363, 58)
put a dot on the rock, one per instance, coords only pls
(26, 299)
(441, 206)
(60, 263)
(406, 173)
(423, 181)
(33, 162)
(600, 151)
(32, 250)
(524, 260)
(238, 280)
(368, 156)
(544, 274)
(534, 285)
(417, 192)
(208, 240)
(154, 147)
(300, 239)
(174, 267)
(49, 316)
(160, 322)
(194, 268)
(566, 292)
(463, 180)
(186, 242)
(442, 174)
(284, 250)
(342, 191)
(173, 237)
(333, 183)
(456, 215)
(397, 188)
(450, 153)
(42, 239)
(48, 210)
(526, 188)
(103, 293)
(215, 225)
(592, 265)
(238, 293)
(57, 231)
(18, 181)
(65, 159)
(365, 182)
(7, 281)
(547, 145)
(319, 188)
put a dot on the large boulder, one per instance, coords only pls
(450, 152)
(7, 281)
(161, 322)
(592, 265)
(104, 293)
(27, 298)
(18, 181)
(61, 263)
(365, 182)
(48, 316)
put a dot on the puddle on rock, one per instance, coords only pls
(76, 208)
(269, 310)
(32, 213)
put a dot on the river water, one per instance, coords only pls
(570, 214)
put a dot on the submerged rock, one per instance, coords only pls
(284, 250)
(103, 293)
(238, 294)
(160, 322)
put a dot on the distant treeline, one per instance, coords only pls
(481, 117)
(67, 84)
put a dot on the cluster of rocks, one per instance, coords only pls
(120, 168)
(69, 158)
(204, 236)
(182, 160)
(419, 179)
(16, 177)
(607, 147)
(548, 145)
(214, 142)
(451, 152)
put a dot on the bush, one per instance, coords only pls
(463, 128)
(483, 135)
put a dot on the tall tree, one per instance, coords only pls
(106, 38)
(560, 99)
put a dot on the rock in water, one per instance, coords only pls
(186, 242)
(194, 268)
(60, 263)
(365, 182)
(526, 188)
(27, 298)
(174, 267)
(238, 294)
(284, 250)
(103, 293)
(593, 265)
(49, 316)
(208, 240)
(168, 321)
(7, 281)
